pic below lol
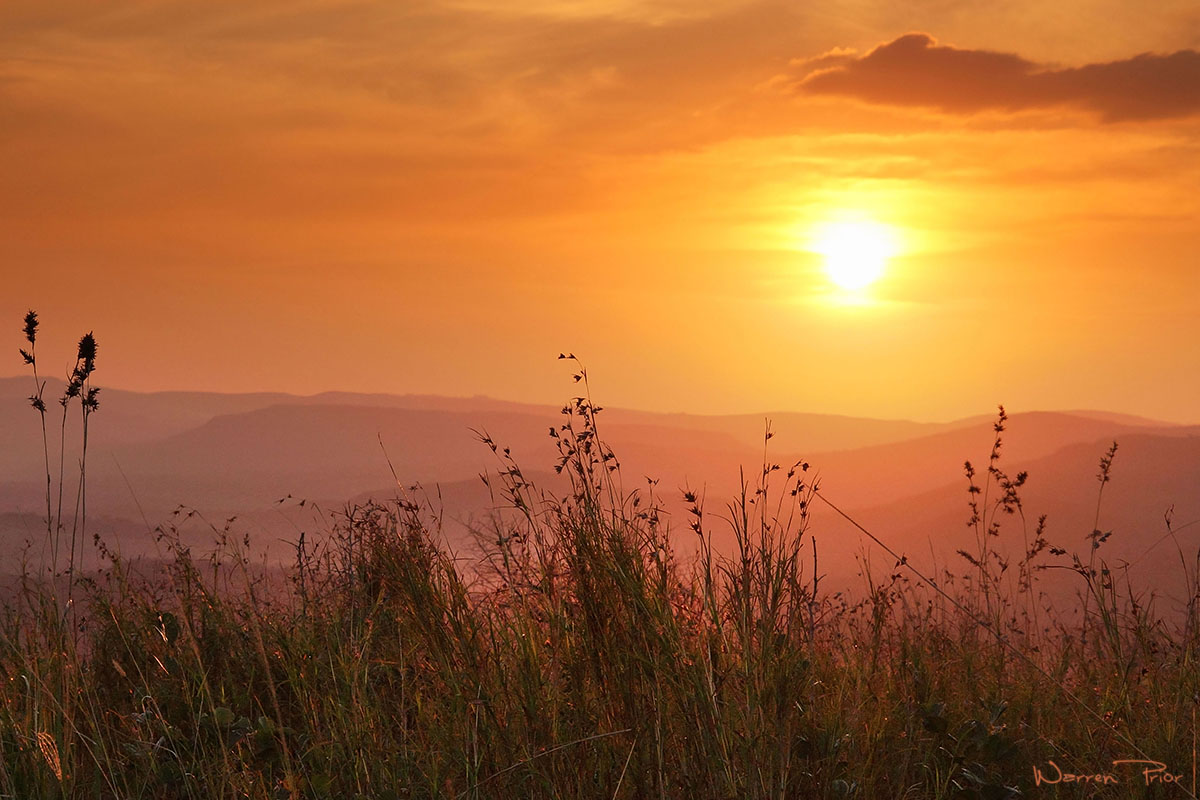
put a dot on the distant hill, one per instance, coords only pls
(1152, 475)
(239, 454)
(232, 450)
(884, 473)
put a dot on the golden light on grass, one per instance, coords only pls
(856, 252)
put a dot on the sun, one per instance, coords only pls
(856, 253)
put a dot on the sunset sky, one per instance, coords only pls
(441, 195)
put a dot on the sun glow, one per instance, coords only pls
(856, 253)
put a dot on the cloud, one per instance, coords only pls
(914, 70)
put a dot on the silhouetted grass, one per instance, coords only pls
(578, 657)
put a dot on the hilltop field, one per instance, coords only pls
(382, 596)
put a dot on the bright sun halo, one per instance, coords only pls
(856, 253)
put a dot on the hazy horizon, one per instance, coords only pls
(569, 391)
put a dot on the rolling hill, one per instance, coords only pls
(230, 455)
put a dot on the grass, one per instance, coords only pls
(580, 657)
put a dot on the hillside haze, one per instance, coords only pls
(239, 455)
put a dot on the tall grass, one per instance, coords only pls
(578, 655)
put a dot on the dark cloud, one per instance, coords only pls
(914, 70)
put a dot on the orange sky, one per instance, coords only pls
(440, 195)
